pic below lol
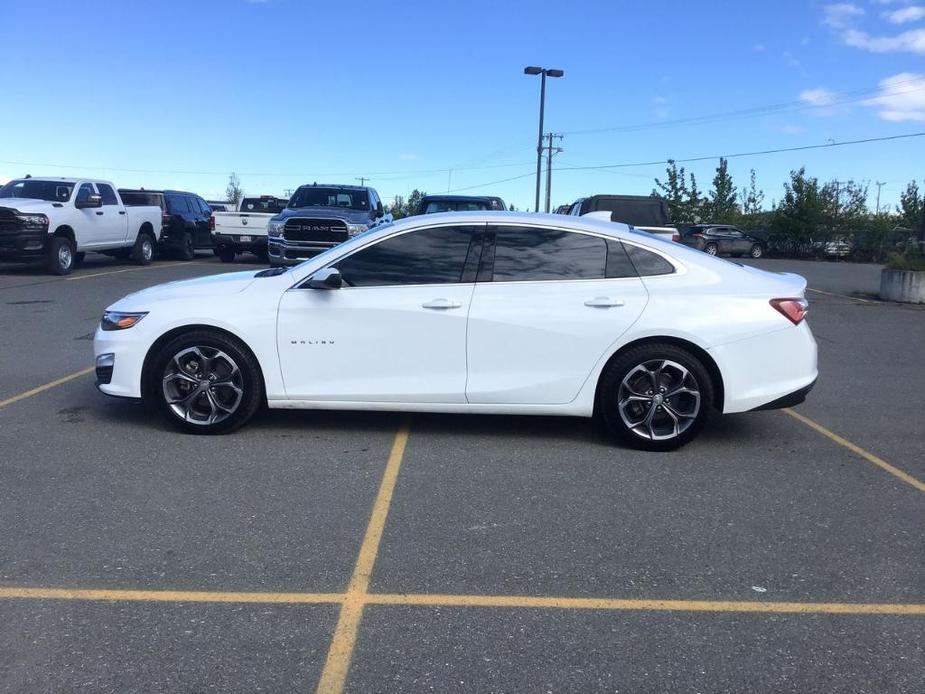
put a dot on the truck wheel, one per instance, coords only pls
(226, 254)
(60, 256)
(143, 250)
(187, 250)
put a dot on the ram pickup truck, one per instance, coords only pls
(59, 220)
(246, 229)
(646, 212)
(319, 217)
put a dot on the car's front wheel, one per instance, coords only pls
(711, 249)
(757, 251)
(205, 382)
(655, 396)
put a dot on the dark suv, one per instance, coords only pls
(185, 219)
(458, 203)
(722, 239)
(319, 217)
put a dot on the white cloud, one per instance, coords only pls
(912, 41)
(818, 97)
(840, 14)
(901, 98)
(913, 13)
(759, 48)
(792, 61)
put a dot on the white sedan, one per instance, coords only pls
(488, 312)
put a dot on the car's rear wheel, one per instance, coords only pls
(205, 382)
(60, 255)
(757, 251)
(655, 397)
(187, 249)
(143, 250)
(710, 249)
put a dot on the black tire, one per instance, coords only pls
(757, 251)
(60, 255)
(226, 255)
(629, 378)
(144, 248)
(187, 249)
(79, 259)
(213, 351)
(710, 249)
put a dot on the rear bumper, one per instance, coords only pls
(257, 244)
(767, 371)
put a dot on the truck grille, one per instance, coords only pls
(330, 231)
(8, 221)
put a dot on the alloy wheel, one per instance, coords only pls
(65, 257)
(659, 399)
(202, 385)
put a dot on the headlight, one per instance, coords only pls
(275, 228)
(354, 229)
(117, 320)
(36, 221)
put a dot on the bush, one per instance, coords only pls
(909, 260)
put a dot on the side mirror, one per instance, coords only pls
(92, 200)
(326, 278)
(379, 209)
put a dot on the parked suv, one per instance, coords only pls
(318, 218)
(458, 203)
(722, 239)
(186, 226)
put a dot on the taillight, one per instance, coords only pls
(165, 220)
(675, 237)
(211, 223)
(697, 235)
(795, 310)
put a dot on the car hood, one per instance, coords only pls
(26, 204)
(351, 216)
(189, 290)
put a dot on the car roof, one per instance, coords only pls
(61, 179)
(343, 186)
(527, 218)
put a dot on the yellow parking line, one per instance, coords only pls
(47, 386)
(854, 448)
(128, 269)
(168, 596)
(353, 604)
(340, 653)
(515, 601)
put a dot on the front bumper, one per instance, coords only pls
(23, 244)
(119, 356)
(283, 252)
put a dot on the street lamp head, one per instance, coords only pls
(554, 73)
(532, 70)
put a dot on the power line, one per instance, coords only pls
(491, 183)
(737, 155)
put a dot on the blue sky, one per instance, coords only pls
(285, 92)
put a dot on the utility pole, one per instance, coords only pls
(879, 185)
(288, 192)
(549, 152)
(544, 73)
(362, 180)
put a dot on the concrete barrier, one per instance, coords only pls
(906, 286)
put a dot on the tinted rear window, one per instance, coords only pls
(648, 263)
(547, 254)
(177, 204)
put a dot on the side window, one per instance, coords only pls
(176, 204)
(84, 192)
(523, 254)
(203, 206)
(648, 263)
(618, 262)
(427, 256)
(107, 193)
(735, 233)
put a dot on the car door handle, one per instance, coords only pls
(98, 212)
(121, 211)
(603, 302)
(441, 304)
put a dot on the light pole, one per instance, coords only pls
(544, 72)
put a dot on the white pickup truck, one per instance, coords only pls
(246, 229)
(58, 220)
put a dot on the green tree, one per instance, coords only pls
(752, 197)
(234, 192)
(722, 205)
(911, 206)
(798, 219)
(405, 208)
(674, 190)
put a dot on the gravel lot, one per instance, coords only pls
(516, 554)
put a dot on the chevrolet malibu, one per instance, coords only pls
(482, 312)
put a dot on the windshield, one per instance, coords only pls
(313, 196)
(52, 191)
(268, 205)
